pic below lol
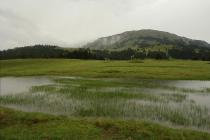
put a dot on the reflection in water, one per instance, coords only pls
(189, 84)
(203, 100)
(15, 85)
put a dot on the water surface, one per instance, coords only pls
(189, 84)
(15, 85)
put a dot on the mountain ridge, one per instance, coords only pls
(142, 38)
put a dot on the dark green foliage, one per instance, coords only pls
(157, 55)
(37, 51)
(46, 51)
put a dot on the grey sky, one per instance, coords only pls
(67, 22)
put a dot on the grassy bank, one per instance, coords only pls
(147, 69)
(40, 126)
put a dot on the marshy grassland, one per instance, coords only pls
(108, 100)
(19, 125)
(144, 69)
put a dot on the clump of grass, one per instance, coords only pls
(208, 90)
(111, 71)
(176, 97)
(136, 61)
(44, 88)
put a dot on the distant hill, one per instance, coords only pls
(140, 44)
(143, 39)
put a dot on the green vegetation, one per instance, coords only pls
(145, 69)
(19, 125)
(106, 100)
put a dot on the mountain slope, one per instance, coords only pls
(144, 38)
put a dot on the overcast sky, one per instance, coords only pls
(67, 22)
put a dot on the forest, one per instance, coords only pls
(49, 51)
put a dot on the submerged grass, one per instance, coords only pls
(113, 98)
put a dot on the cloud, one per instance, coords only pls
(66, 22)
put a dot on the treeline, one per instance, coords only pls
(37, 51)
(47, 51)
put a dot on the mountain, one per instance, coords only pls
(144, 38)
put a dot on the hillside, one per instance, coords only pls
(145, 38)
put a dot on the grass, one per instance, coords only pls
(40, 126)
(147, 69)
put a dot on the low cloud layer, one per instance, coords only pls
(69, 22)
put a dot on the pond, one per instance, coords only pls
(189, 84)
(175, 102)
(15, 85)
